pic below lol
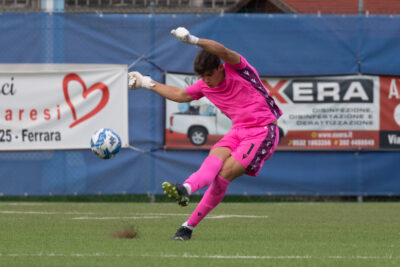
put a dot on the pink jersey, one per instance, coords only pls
(241, 96)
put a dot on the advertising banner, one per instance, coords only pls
(60, 106)
(390, 112)
(340, 112)
(329, 113)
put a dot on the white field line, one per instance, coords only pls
(268, 257)
(163, 216)
(117, 218)
(222, 216)
(21, 204)
(42, 212)
(222, 257)
(236, 216)
(276, 257)
(134, 216)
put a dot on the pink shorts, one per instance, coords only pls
(251, 146)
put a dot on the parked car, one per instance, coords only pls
(198, 124)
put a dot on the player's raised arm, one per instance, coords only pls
(218, 49)
(137, 80)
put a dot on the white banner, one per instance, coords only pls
(60, 106)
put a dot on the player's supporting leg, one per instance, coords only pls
(213, 196)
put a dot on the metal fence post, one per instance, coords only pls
(360, 6)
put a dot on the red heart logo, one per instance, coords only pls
(97, 86)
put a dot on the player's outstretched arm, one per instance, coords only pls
(171, 92)
(137, 80)
(218, 49)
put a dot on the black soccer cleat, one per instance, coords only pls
(177, 192)
(183, 233)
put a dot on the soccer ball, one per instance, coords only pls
(105, 143)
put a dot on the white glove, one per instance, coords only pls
(184, 35)
(137, 80)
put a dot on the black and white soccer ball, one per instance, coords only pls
(105, 143)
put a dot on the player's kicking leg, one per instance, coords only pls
(177, 192)
(203, 177)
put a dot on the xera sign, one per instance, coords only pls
(330, 91)
(328, 112)
(322, 90)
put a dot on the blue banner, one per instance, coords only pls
(277, 45)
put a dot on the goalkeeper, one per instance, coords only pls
(236, 89)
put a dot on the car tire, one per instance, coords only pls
(198, 135)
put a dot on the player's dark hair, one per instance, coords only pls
(205, 61)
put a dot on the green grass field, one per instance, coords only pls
(234, 234)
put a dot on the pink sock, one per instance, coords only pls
(205, 175)
(213, 196)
